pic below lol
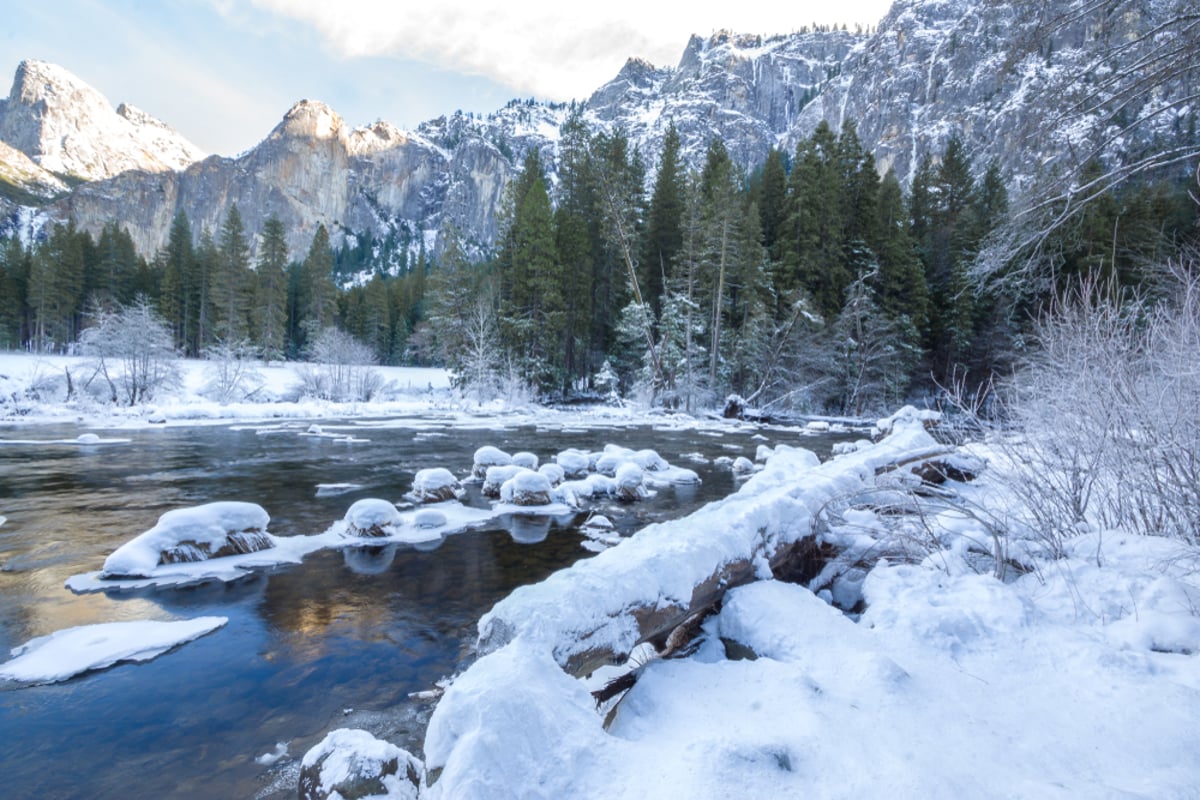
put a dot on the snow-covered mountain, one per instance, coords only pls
(70, 129)
(1016, 84)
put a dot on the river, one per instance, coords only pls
(341, 640)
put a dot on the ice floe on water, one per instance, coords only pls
(64, 654)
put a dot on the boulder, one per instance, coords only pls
(212, 530)
(573, 462)
(526, 460)
(435, 485)
(353, 764)
(488, 456)
(371, 518)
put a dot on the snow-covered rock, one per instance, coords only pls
(489, 456)
(553, 472)
(526, 488)
(495, 478)
(372, 518)
(213, 530)
(573, 462)
(350, 764)
(435, 485)
(429, 518)
(66, 653)
(526, 460)
(742, 466)
(628, 482)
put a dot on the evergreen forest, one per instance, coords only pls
(810, 284)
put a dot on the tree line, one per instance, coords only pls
(809, 283)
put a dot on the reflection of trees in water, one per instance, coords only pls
(396, 593)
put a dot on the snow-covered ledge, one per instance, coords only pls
(600, 609)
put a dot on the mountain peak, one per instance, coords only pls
(312, 119)
(68, 127)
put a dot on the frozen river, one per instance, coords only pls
(341, 640)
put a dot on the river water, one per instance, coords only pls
(339, 641)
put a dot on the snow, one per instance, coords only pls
(1077, 679)
(192, 534)
(33, 390)
(372, 517)
(70, 652)
(346, 756)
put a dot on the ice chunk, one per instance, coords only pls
(202, 532)
(66, 653)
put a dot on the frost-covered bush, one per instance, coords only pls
(341, 369)
(230, 374)
(133, 351)
(1105, 412)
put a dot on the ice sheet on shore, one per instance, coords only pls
(70, 652)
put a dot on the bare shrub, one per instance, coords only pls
(1100, 428)
(341, 368)
(231, 373)
(133, 351)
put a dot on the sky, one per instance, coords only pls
(224, 72)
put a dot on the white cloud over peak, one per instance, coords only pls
(554, 51)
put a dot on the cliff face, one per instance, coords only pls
(1031, 85)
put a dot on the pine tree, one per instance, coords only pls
(318, 303)
(900, 281)
(772, 202)
(663, 237)
(270, 299)
(232, 289)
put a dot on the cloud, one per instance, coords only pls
(555, 51)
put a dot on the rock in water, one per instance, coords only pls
(213, 530)
(353, 764)
(371, 517)
(435, 485)
(526, 488)
(489, 456)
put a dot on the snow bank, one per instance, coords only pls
(184, 535)
(70, 652)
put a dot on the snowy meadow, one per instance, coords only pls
(418, 597)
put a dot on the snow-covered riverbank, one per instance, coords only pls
(1080, 678)
(34, 389)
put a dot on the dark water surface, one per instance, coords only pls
(340, 640)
